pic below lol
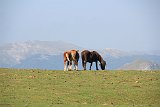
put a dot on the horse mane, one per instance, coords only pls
(100, 59)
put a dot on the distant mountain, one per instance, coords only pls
(42, 62)
(141, 65)
(49, 55)
(117, 59)
(13, 54)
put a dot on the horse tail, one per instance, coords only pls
(75, 55)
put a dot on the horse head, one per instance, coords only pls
(103, 64)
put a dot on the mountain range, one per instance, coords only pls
(49, 55)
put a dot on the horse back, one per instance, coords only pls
(86, 56)
(75, 55)
(89, 56)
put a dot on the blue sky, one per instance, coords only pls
(98, 24)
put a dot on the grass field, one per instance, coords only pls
(44, 88)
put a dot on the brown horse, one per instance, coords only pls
(70, 56)
(91, 57)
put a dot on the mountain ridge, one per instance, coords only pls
(140, 65)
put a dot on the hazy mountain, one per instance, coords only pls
(49, 55)
(42, 62)
(141, 65)
(14, 53)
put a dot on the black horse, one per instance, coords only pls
(91, 57)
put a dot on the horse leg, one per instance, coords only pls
(76, 65)
(70, 65)
(90, 66)
(65, 65)
(96, 66)
(84, 64)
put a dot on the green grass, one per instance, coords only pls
(47, 88)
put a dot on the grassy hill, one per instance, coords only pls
(44, 88)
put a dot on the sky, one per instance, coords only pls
(132, 25)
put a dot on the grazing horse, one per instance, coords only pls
(70, 56)
(91, 57)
